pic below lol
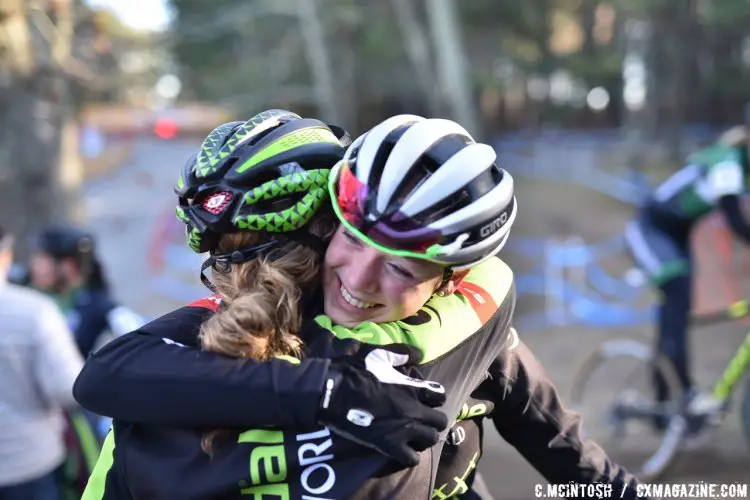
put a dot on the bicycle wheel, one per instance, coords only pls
(658, 427)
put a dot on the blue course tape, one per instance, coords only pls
(609, 286)
(591, 306)
(569, 255)
(584, 305)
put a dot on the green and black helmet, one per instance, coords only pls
(268, 174)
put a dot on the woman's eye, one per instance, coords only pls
(351, 238)
(400, 271)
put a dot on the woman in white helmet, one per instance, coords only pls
(421, 202)
(423, 209)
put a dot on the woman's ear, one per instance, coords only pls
(453, 283)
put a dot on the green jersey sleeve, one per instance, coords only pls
(443, 322)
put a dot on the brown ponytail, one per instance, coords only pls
(260, 316)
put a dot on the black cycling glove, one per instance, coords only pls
(369, 402)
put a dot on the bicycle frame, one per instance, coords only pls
(740, 362)
(734, 371)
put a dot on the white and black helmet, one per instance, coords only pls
(423, 188)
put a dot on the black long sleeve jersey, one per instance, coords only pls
(148, 377)
(156, 377)
(527, 411)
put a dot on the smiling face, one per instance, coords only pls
(362, 284)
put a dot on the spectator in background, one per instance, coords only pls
(64, 264)
(39, 362)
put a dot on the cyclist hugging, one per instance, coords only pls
(358, 305)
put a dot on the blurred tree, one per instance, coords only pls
(44, 58)
(252, 53)
(417, 47)
(200, 44)
(724, 57)
(35, 47)
(454, 73)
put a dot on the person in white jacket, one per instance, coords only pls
(39, 362)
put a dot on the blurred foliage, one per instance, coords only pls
(251, 52)
(103, 46)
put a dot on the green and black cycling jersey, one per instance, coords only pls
(715, 177)
(296, 458)
(526, 410)
(261, 462)
(142, 369)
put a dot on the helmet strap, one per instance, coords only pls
(447, 275)
(224, 261)
(204, 279)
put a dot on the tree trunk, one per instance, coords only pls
(418, 50)
(36, 110)
(588, 23)
(453, 68)
(676, 51)
(17, 70)
(318, 57)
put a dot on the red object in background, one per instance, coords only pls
(165, 128)
(721, 269)
(165, 228)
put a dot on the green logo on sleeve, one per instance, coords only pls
(269, 464)
(268, 470)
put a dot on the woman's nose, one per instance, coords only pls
(362, 273)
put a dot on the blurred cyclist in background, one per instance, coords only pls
(714, 179)
(64, 264)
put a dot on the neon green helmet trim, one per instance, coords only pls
(268, 174)
(210, 158)
(291, 141)
(430, 254)
(312, 182)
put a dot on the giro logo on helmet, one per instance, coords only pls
(217, 202)
(494, 225)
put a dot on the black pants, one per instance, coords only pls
(672, 323)
(663, 253)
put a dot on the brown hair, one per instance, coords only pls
(260, 315)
